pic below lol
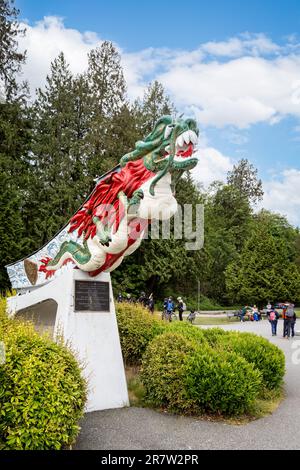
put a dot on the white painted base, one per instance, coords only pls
(93, 335)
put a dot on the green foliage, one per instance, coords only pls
(188, 330)
(244, 177)
(153, 105)
(164, 371)
(221, 382)
(11, 58)
(186, 375)
(15, 131)
(265, 356)
(214, 335)
(42, 392)
(77, 128)
(137, 327)
(265, 268)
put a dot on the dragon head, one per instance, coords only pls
(168, 148)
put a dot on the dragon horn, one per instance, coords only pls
(169, 162)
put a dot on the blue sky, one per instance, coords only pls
(136, 25)
(234, 65)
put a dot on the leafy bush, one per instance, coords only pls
(265, 356)
(213, 335)
(42, 392)
(137, 327)
(221, 382)
(164, 369)
(185, 328)
(185, 376)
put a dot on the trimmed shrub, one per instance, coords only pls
(186, 329)
(164, 369)
(42, 392)
(184, 376)
(265, 356)
(137, 327)
(221, 382)
(213, 335)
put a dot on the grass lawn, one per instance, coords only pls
(215, 320)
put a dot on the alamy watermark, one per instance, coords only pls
(187, 224)
(296, 354)
(179, 223)
(2, 92)
(296, 92)
(2, 353)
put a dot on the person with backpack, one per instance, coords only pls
(273, 317)
(181, 307)
(170, 308)
(290, 322)
(255, 313)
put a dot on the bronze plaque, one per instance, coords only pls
(92, 296)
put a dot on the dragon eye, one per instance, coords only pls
(168, 130)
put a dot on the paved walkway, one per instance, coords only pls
(139, 428)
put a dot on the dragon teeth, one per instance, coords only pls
(180, 140)
(187, 137)
(193, 137)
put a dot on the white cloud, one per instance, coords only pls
(45, 40)
(238, 82)
(237, 92)
(212, 166)
(282, 195)
(253, 44)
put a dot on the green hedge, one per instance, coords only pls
(188, 330)
(164, 370)
(221, 382)
(42, 394)
(265, 356)
(183, 376)
(212, 335)
(137, 327)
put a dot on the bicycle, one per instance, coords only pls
(169, 316)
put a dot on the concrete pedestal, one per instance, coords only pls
(93, 335)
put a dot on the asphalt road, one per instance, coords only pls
(140, 428)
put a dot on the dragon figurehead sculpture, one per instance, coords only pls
(111, 223)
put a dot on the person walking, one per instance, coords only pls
(170, 308)
(180, 307)
(255, 313)
(243, 313)
(284, 309)
(293, 322)
(143, 299)
(290, 322)
(150, 303)
(273, 317)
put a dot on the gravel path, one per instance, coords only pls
(139, 428)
